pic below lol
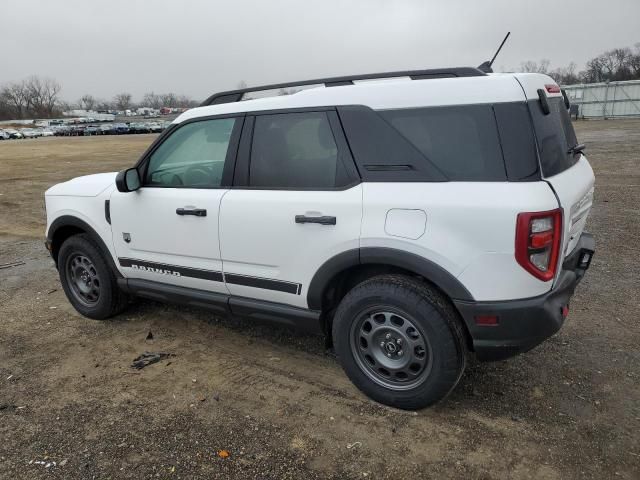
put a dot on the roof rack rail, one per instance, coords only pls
(231, 96)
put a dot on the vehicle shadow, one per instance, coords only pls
(513, 388)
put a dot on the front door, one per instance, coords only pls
(167, 231)
(295, 204)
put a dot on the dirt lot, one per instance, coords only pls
(277, 401)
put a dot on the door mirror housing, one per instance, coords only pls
(128, 180)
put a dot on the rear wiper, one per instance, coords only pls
(578, 148)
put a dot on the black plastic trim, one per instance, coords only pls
(71, 221)
(420, 265)
(329, 269)
(231, 96)
(278, 313)
(264, 283)
(525, 323)
(383, 256)
(107, 211)
(216, 302)
(226, 305)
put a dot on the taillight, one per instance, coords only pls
(538, 237)
(552, 88)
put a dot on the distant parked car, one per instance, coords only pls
(91, 130)
(138, 128)
(77, 130)
(105, 129)
(120, 128)
(62, 130)
(47, 132)
(154, 127)
(29, 133)
(4, 135)
(14, 133)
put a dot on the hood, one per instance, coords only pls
(87, 186)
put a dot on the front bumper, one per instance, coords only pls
(523, 324)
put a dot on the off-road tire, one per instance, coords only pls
(434, 317)
(111, 300)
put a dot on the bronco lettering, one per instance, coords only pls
(155, 270)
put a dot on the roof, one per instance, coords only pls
(392, 94)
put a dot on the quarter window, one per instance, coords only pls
(461, 141)
(295, 150)
(192, 156)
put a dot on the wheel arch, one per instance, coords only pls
(66, 226)
(342, 272)
(368, 257)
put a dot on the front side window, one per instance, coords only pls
(294, 150)
(192, 156)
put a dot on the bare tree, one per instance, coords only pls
(87, 102)
(566, 75)
(122, 101)
(16, 97)
(535, 67)
(151, 100)
(185, 102)
(169, 100)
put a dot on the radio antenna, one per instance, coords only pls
(486, 66)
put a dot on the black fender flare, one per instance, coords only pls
(411, 262)
(71, 221)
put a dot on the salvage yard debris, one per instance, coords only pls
(147, 358)
(10, 265)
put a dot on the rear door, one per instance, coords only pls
(296, 202)
(568, 173)
(167, 231)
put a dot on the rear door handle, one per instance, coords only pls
(320, 220)
(196, 212)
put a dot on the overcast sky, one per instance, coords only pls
(196, 47)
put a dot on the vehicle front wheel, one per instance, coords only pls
(88, 281)
(399, 341)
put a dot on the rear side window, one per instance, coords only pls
(555, 136)
(295, 150)
(461, 141)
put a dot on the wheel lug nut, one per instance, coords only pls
(388, 336)
(399, 341)
(400, 352)
(382, 344)
(389, 355)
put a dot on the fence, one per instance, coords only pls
(606, 100)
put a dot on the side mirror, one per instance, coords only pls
(128, 180)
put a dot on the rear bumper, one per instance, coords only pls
(523, 324)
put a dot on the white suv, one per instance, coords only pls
(410, 220)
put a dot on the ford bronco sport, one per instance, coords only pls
(411, 217)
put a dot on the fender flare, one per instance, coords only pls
(433, 272)
(71, 221)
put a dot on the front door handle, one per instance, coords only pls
(196, 212)
(320, 220)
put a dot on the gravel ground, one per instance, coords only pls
(277, 402)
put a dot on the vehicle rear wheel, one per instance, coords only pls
(399, 341)
(87, 280)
